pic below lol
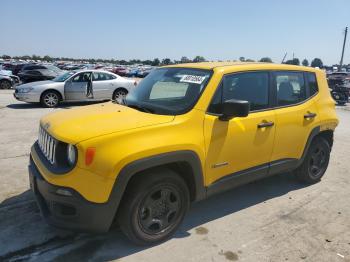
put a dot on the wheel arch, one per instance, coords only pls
(52, 90)
(120, 88)
(316, 132)
(186, 163)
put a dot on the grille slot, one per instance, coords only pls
(47, 145)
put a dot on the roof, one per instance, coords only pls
(236, 66)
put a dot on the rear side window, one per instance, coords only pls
(290, 88)
(312, 83)
(252, 87)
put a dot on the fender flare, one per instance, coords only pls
(133, 168)
(314, 132)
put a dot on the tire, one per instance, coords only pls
(50, 99)
(153, 206)
(119, 94)
(315, 163)
(5, 84)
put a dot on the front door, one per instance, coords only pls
(77, 87)
(243, 142)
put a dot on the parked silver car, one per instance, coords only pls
(87, 85)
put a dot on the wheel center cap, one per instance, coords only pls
(160, 208)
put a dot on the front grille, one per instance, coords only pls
(47, 145)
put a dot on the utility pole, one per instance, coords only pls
(284, 57)
(342, 53)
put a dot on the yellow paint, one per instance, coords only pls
(122, 135)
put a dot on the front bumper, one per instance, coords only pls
(69, 212)
(27, 97)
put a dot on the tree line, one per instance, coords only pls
(316, 62)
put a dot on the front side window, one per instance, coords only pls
(251, 86)
(169, 91)
(82, 77)
(290, 88)
(63, 77)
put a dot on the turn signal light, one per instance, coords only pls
(89, 155)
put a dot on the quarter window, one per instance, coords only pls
(290, 88)
(312, 81)
(252, 87)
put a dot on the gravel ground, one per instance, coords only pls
(275, 219)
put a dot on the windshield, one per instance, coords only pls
(169, 91)
(63, 77)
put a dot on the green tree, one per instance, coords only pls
(6, 57)
(47, 58)
(294, 61)
(249, 60)
(305, 62)
(242, 59)
(198, 59)
(266, 60)
(317, 62)
(36, 57)
(155, 62)
(185, 59)
(166, 61)
(147, 62)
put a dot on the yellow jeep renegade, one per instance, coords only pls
(186, 132)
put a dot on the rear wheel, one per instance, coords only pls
(153, 207)
(5, 84)
(50, 99)
(315, 163)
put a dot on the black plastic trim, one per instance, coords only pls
(56, 169)
(131, 169)
(89, 217)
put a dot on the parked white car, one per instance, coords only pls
(87, 85)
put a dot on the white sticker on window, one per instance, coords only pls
(192, 79)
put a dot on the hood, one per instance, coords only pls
(38, 83)
(78, 124)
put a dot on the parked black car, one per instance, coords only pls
(31, 73)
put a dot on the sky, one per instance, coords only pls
(216, 29)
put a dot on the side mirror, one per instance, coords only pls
(234, 108)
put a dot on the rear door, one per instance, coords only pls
(76, 87)
(296, 112)
(103, 85)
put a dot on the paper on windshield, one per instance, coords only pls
(192, 79)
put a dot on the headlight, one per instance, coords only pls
(25, 89)
(71, 154)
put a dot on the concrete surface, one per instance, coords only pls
(275, 219)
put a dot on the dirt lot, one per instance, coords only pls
(275, 219)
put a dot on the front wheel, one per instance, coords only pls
(315, 163)
(154, 206)
(50, 99)
(5, 84)
(119, 95)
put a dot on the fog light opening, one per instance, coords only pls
(63, 192)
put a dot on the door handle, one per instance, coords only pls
(265, 124)
(310, 115)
